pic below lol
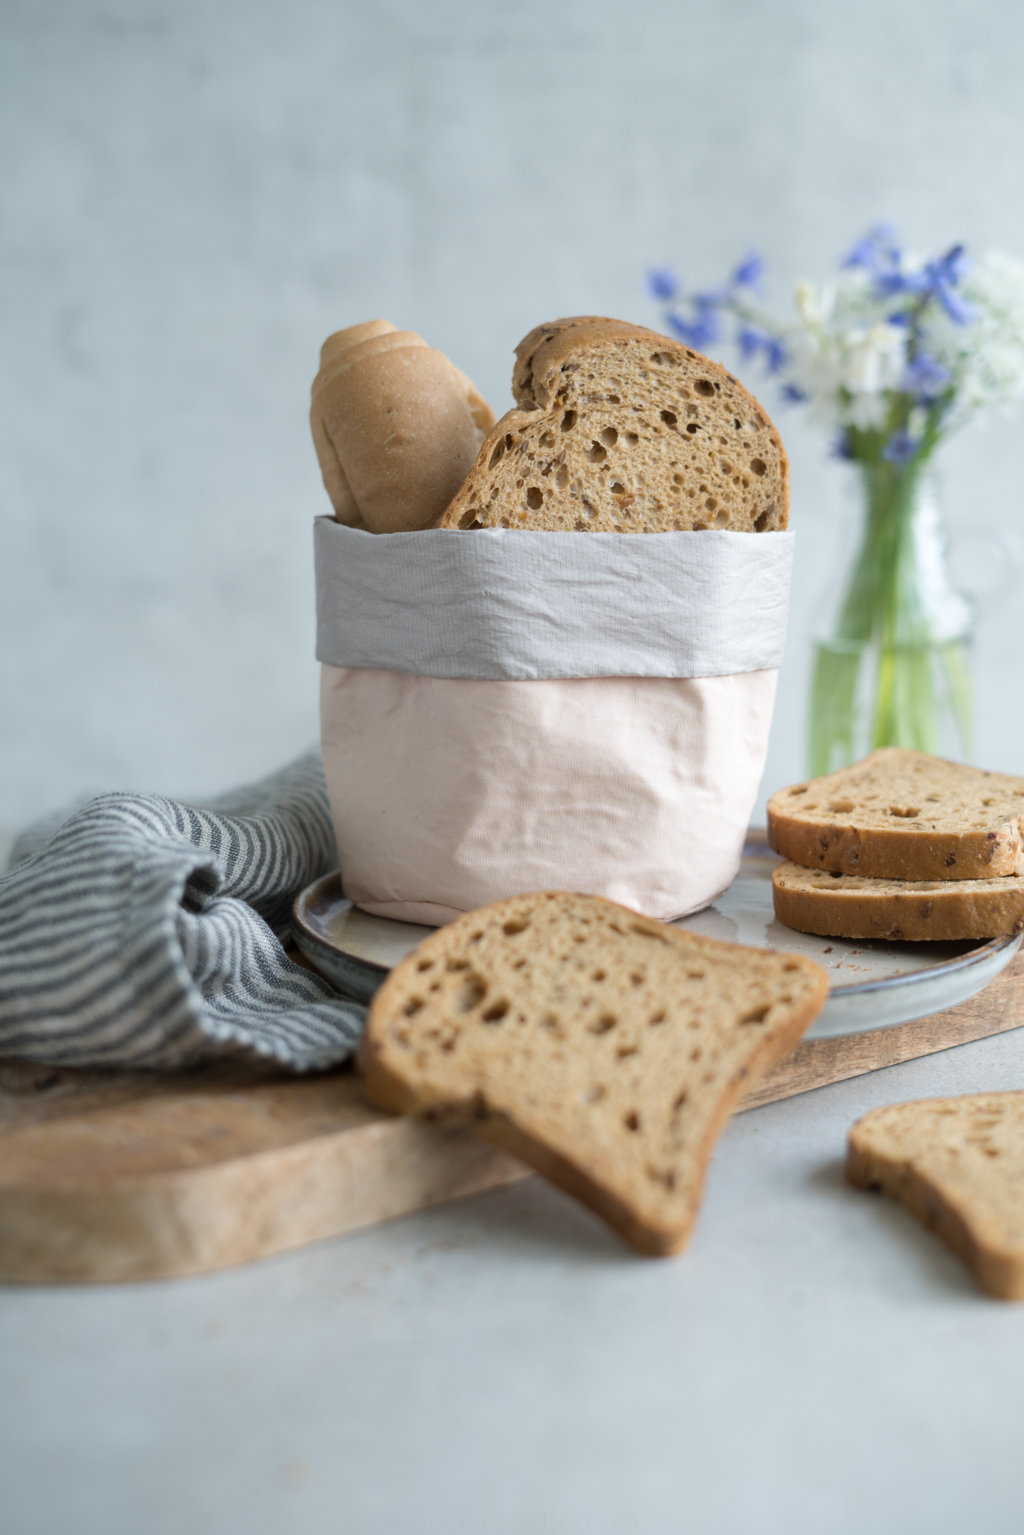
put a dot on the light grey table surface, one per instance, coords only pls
(815, 1362)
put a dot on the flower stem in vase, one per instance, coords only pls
(894, 672)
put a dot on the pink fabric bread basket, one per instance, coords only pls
(505, 711)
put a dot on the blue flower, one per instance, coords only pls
(775, 354)
(925, 378)
(662, 284)
(842, 444)
(698, 333)
(715, 298)
(955, 264)
(956, 307)
(880, 256)
(750, 271)
(751, 339)
(862, 254)
(794, 394)
(943, 276)
(878, 252)
(892, 282)
(901, 447)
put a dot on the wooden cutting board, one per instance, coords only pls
(110, 1176)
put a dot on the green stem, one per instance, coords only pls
(897, 661)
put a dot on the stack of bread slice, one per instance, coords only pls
(900, 846)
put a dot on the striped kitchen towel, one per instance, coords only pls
(142, 932)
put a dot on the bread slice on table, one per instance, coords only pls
(915, 911)
(903, 815)
(620, 429)
(958, 1165)
(396, 427)
(601, 1047)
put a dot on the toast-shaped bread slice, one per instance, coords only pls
(396, 427)
(903, 815)
(914, 911)
(601, 1047)
(958, 1165)
(620, 429)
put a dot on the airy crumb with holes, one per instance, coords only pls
(620, 429)
(601, 1047)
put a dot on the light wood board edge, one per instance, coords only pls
(194, 1219)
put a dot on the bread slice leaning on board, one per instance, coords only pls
(911, 911)
(957, 1164)
(621, 429)
(903, 815)
(604, 1049)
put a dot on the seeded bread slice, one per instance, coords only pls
(620, 429)
(916, 911)
(957, 1164)
(601, 1047)
(903, 815)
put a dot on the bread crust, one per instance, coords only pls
(415, 1076)
(938, 1157)
(620, 429)
(911, 911)
(533, 349)
(829, 823)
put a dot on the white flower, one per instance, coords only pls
(846, 356)
(814, 303)
(875, 359)
(986, 357)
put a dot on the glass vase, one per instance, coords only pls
(894, 666)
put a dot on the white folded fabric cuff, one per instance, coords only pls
(506, 604)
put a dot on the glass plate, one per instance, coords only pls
(874, 984)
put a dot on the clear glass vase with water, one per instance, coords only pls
(893, 667)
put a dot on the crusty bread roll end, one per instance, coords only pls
(396, 427)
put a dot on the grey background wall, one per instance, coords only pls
(195, 192)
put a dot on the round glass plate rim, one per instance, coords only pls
(754, 848)
(757, 847)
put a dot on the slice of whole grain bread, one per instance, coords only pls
(914, 911)
(903, 815)
(957, 1164)
(603, 1048)
(620, 429)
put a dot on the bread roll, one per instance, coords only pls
(396, 427)
(335, 483)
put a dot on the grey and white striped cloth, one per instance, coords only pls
(142, 932)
